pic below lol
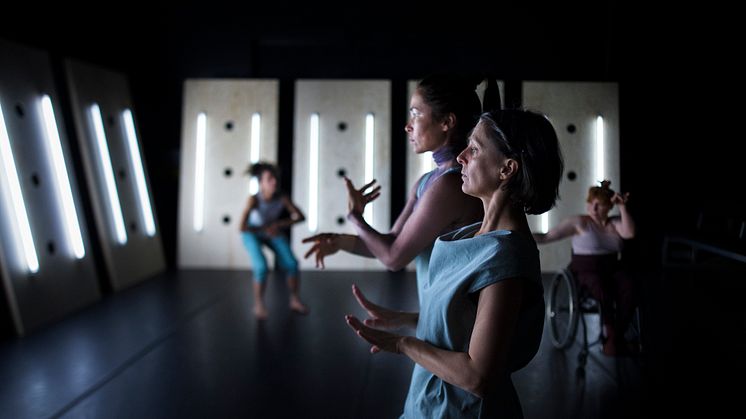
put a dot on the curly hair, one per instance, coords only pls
(257, 169)
(603, 193)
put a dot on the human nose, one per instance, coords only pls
(460, 158)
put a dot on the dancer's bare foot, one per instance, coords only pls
(260, 311)
(297, 306)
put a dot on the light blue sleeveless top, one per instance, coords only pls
(461, 266)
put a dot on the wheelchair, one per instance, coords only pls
(567, 305)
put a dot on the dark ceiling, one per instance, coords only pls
(159, 46)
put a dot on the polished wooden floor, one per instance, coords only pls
(186, 345)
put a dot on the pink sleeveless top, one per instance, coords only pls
(597, 240)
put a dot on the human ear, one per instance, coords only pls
(508, 169)
(448, 122)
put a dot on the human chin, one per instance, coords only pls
(466, 186)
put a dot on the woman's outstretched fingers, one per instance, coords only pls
(353, 322)
(317, 237)
(310, 251)
(371, 183)
(360, 297)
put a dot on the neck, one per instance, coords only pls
(601, 221)
(501, 214)
(267, 195)
(444, 156)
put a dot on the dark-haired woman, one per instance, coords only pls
(442, 112)
(482, 311)
(261, 224)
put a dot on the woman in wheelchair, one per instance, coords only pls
(597, 240)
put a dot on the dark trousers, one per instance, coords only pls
(603, 277)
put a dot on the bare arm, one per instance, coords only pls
(354, 244)
(296, 216)
(244, 226)
(474, 371)
(436, 210)
(567, 228)
(329, 243)
(407, 211)
(626, 226)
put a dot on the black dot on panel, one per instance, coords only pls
(571, 128)
(19, 111)
(341, 172)
(122, 174)
(133, 227)
(226, 219)
(571, 175)
(340, 220)
(342, 126)
(51, 247)
(228, 172)
(229, 126)
(35, 179)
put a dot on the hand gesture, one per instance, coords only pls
(618, 199)
(381, 341)
(272, 230)
(358, 198)
(380, 317)
(324, 244)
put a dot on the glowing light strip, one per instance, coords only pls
(600, 153)
(199, 173)
(26, 248)
(108, 171)
(426, 162)
(545, 222)
(313, 174)
(62, 180)
(370, 146)
(256, 124)
(137, 168)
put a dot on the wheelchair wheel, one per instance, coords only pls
(562, 309)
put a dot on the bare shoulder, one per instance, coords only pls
(580, 220)
(449, 183)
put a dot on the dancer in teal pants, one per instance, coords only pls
(261, 224)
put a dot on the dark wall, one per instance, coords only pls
(672, 162)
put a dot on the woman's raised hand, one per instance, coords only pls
(324, 244)
(381, 341)
(358, 198)
(619, 199)
(380, 317)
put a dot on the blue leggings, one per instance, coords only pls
(279, 244)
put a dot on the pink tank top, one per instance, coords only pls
(597, 240)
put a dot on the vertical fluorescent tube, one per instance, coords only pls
(20, 219)
(108, 172)
(62, 181)
(313, 174)
(256, 125)
(600, 153)
(545, 222)
(426, 162)
(370, 146)
(199, 173)
(137, 168)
